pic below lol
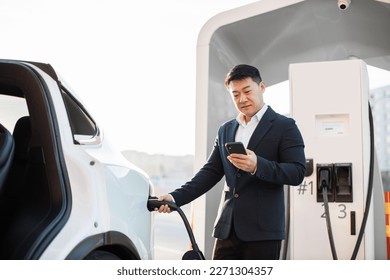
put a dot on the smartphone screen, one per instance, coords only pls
(235, 148)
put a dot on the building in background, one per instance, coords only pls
(380, 105)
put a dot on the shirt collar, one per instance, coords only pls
(257, 117)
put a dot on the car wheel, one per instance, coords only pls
(101, 255)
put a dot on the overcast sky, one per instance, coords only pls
(131, 62)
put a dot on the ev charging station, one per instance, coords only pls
(285, 38)
(329, 102)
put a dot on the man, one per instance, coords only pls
(251, 218)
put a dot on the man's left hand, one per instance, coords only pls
(246, 162)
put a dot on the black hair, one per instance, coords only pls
(241, 72)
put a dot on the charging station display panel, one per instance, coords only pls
(329, 101)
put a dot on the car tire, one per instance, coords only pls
(101, 255)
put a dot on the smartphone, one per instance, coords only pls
(235, 148)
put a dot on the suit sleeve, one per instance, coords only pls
(206, 178)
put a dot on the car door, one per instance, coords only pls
(36, 200)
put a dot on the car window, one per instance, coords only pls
(83, 127)
(11, 109)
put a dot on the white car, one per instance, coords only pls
(64, 192)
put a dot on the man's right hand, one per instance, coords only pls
(164, 208)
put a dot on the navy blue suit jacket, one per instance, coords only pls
(254, 203)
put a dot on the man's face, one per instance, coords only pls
(247, 96)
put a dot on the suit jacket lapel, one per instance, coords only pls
(231, 131)
(262, 128)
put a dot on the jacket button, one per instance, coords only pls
(238, 175)
(236, 195)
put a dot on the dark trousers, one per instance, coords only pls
(235, 249)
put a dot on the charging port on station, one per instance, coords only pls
(337, 178)
(324, 180)
(343, 182)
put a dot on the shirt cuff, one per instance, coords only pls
(173, 199)
(254, 172)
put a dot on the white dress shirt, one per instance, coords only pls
(245, 130)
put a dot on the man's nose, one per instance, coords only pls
(242, 98)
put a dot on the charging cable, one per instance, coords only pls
(325, 183)
(370, 186)
(368, 198)
(195, 253)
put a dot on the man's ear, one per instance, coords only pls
(262, 86)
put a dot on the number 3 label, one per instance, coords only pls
(342, 212)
